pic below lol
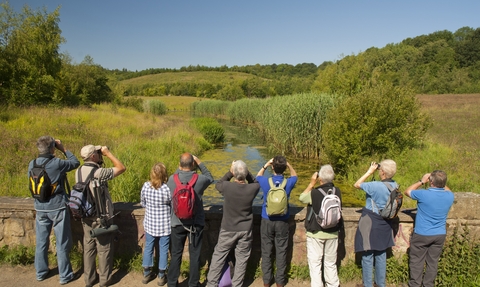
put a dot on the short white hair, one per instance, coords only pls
(326, 173)
(240, 170)
(389, 167)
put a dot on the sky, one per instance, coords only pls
(143, 34)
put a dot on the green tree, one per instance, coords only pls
(379, 120)
(29, 55)
(468, 51)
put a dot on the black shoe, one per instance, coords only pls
(162, 280)
(74, 277)
(149, 277)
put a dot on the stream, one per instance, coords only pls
(242, 142)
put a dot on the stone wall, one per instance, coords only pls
(17, 226)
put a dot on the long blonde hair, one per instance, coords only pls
(158, 175)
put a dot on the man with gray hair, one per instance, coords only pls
(322, 243)
(433, 205)
(53, 211)
(374, 233)
(237, 222)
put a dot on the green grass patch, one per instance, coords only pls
(139, 140)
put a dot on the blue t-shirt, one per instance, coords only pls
(378, 192)
(433, 206)
(277, 179)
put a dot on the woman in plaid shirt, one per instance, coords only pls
(156, 198)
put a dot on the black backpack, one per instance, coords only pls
(40, 184)
(81, 202)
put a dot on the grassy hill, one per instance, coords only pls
(210, 77)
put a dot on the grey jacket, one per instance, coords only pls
(203, 181)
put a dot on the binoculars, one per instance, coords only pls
(99, 231)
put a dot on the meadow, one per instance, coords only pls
(141, 139)
(138, 139)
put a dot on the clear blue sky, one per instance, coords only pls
(137, 35)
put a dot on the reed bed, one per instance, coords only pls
(290, 124)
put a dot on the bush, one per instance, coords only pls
(379, 120)
(459, 263)
(211, 130)
(133, 102)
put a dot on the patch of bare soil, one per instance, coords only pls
(19, 276)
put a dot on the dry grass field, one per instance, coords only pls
(456, 120)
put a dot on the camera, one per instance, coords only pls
(378, 166)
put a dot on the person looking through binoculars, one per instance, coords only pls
(97, 239)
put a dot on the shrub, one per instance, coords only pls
(133, 102)
(379, 120)
(17, 255)
(459, 263)
(211, 130)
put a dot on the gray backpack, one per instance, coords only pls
(393, 205)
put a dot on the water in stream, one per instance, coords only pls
(243, 143)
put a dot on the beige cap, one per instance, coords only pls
(88, 150)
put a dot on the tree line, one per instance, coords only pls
(33, 71)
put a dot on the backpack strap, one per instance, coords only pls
(43, 165)
(90, 175)
(390, 189)
(192, 181)
(272, 185)
(389, 186)
(322, 191)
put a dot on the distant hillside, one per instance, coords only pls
(212, 84)
(188, 77)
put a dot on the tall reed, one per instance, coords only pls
(291, 124)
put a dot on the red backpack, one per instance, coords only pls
(183, 200)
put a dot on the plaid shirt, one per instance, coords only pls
(157, 203)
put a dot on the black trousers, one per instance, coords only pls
(177, 242)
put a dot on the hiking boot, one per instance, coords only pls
(162, 280)
(149, 277)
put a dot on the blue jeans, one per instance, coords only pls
(148, 251)
(380, 267)
(60, 221)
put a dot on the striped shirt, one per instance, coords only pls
(157, 203)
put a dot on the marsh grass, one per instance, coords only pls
(139, 140)
(155, 107)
